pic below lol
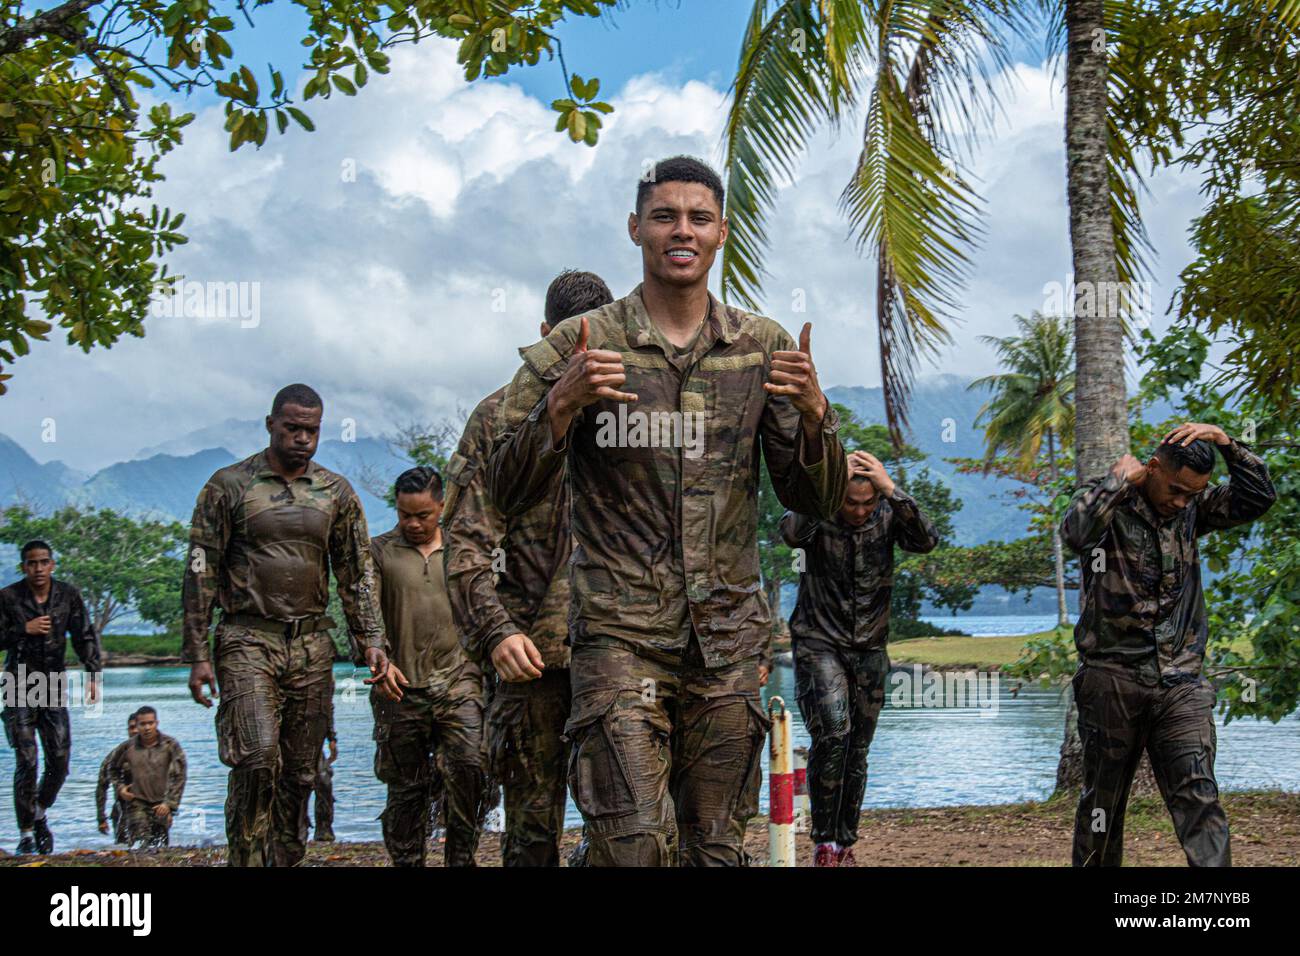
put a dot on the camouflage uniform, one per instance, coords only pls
(103, 785)
(156, 775)
(530, 595)
(322, 789)
(1141, 637)
(438, 723)
(839, 630)
(262, 548)
(42, 654)
(668, 617)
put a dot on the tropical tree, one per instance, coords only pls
(80, 248)
(120, 564)
(1030, 414)
(930, 68)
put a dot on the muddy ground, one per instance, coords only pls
(1265, 832)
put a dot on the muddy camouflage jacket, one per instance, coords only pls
(1141, 607)
(665, 491)
(524, 586)
(848, 577)
(155, 774)
(46, 653)
(261, 545)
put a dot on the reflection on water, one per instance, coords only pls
(920, 757)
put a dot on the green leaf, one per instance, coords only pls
(301, 118)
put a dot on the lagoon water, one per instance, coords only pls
(997, 748)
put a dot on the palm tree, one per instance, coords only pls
(1032, 404)
(930, 71)
(930, 68)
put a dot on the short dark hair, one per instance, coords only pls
(36, 544)
(296, 394)
(416, 481)
(130, 718)
(573, 293)
(681, 169)
(146, 709)
(1198, 456)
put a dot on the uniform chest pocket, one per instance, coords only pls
(725, 394)
(289, 521)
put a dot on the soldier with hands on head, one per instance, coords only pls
(839, 630)
(1142, 633)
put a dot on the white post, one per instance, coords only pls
(802, 809)
(780, 788)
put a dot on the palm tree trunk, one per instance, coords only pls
(1101, 431)
(1058, 551)
(1101, 415)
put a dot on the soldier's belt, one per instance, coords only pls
(289, 629)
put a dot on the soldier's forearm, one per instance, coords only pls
(522, 466)
(480, 616)
(194, 644)
(1250, 485)
(1091, 511)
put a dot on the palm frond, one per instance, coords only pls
(796, 72)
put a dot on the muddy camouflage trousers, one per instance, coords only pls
(1174, 724)
(529, 758)
(22, 726)
(840, 691)
(271, 723)
(666, 756)
(323, 788)
(431, 734)
(143, 829)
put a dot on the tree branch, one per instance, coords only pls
(47, 23)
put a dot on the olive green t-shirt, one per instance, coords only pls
(422, 637)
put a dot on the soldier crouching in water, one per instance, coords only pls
(149, 779)
(1142, 632)
(668, 620)
(105, 783)
(513, 613)
(839, 630)
(265, 535)
(429, 706)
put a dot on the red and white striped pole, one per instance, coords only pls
(780, 788)
(801, 806)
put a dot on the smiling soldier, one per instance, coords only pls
(668, 619)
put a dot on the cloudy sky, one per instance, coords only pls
(401, 252)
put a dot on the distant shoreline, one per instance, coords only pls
(941, 653)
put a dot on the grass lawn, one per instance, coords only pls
(979, 652)
(982, 652)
